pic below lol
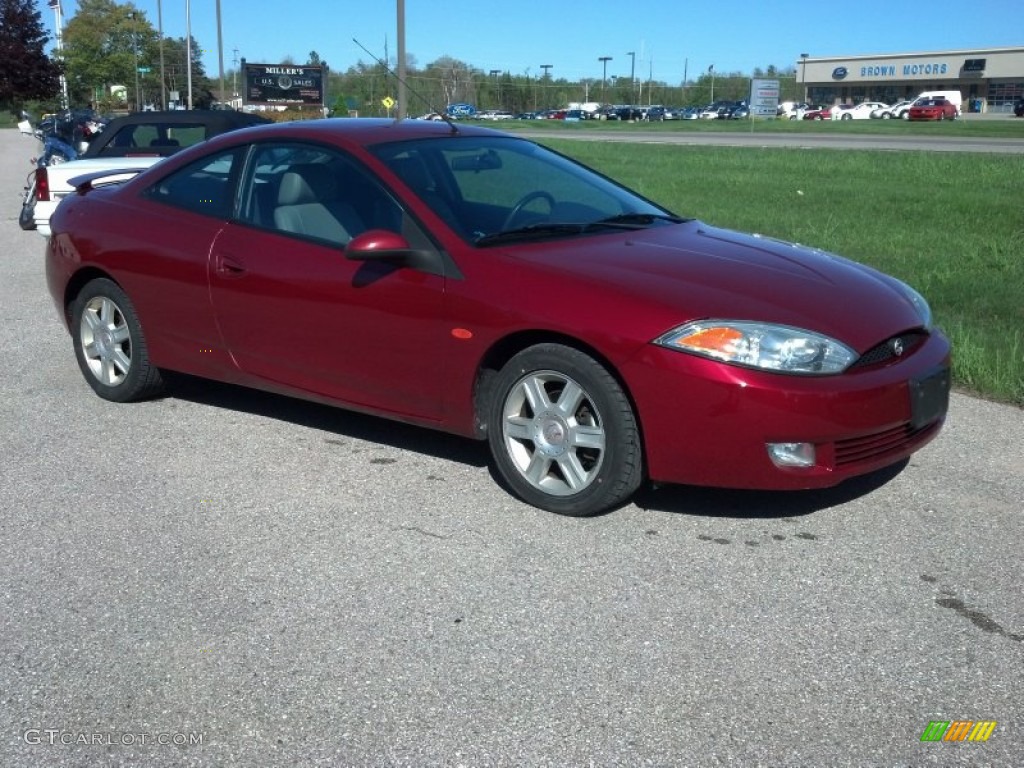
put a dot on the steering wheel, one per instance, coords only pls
(524, 201)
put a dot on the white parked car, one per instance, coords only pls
(860, 111)
(899, 111)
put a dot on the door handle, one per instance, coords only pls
(230, 267)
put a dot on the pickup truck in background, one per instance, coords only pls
(132, 142)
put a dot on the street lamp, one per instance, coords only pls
(135, 48)
(803, 73)
(711, 71)
(604, 75)
(497, 86)
(632, 73)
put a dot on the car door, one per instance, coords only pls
(294, 311)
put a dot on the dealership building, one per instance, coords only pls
(989, 79)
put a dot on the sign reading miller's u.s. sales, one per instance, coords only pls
(283, 84)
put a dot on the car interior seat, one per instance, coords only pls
(308, 203)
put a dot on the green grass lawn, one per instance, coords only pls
(950, 224)
(968, 126)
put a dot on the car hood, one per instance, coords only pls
(665, 276)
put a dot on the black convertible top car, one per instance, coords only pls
(164, 133)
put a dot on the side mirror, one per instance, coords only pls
(378, 245)
(391, 248)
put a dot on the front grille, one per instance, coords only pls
(870, 447)
(886, 351)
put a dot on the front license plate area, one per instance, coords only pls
(929, 397)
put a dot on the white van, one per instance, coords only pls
(953, 97)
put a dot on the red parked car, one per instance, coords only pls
(474, 282)
(818, 113)
(932, 109)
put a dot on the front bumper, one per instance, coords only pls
(708, 423)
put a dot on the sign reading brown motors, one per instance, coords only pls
(283, 84)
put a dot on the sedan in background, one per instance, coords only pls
(932, 109)
(818, 113)
(860, 111)
(134, 141)
(465, 280)
(897, 111)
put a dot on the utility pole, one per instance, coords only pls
(604, 76)
(160, 31)
(402, 106)
(632, 74)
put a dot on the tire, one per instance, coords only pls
(847, 117)
(886, 116)
(26, 219)
(562, 432)
(905, 115)
(110, 346)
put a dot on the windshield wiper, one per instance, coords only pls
(632, 221)
(531, 232)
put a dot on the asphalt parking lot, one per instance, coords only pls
(227, 578)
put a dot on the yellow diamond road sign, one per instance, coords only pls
(388, 102)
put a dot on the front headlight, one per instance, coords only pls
(766, 346)
(920, 305)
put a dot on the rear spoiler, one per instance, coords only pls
(89, 181)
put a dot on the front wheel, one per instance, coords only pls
(562, 432)
(109, 344)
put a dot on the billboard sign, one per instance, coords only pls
(764, 98)
(283, 84)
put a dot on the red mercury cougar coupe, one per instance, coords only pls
(473, 282)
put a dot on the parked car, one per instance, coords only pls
(818, 113)
(862, 111)
(135, 141)
(898, 111)
(933, 109)
(689, 113)
(740, 112)
(478, 283)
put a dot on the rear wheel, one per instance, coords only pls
(110, 346)
(26, 219)
(562, 432)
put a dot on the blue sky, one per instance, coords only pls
(669, 37)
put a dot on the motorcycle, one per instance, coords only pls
(55, 150)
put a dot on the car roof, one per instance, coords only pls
(217, 121)
(358, 131)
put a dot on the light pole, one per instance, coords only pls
(160, 31)
(497, 86)
(604, 75)
(188, 50)
(58, 26)
(711, 71)
(547, 79)
(632, 73)
(803, 73)
(135, 49)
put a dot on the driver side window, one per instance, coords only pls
(314, 193)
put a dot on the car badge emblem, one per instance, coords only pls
(897, 347)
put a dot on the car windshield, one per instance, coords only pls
(494, 189)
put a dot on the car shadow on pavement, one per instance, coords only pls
(338, 421)
(681, 499)
(720, 502)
